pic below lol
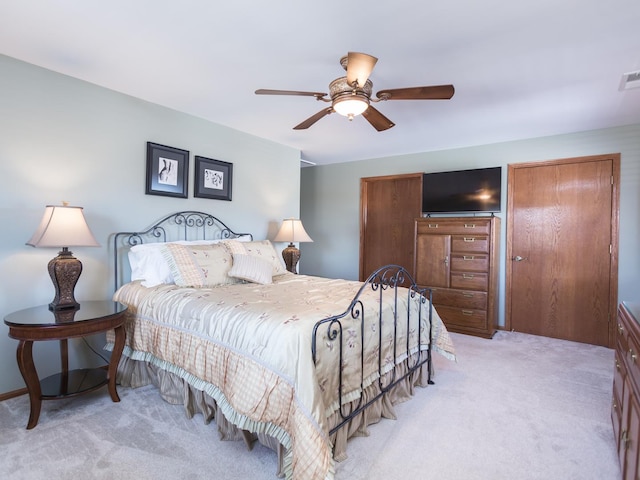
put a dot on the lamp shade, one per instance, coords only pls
(63, 226)
(292, 231)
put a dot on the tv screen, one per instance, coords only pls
(462, 191)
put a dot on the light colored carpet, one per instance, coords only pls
(515, 407)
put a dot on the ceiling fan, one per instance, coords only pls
(352, 95)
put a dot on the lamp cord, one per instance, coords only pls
(93, 350)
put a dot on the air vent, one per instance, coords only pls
(630, 80)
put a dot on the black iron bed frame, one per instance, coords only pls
(386, 277)
(186, 225)
(194, 225)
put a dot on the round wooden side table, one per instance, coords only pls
(40, 323)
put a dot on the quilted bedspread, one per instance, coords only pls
(249, 347)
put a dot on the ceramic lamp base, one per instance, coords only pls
(291, 255)
(65, 271)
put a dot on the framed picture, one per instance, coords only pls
(213, 179)
(167, 171)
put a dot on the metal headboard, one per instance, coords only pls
(186, 225)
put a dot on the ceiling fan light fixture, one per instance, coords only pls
(350, 106)
(351, 95)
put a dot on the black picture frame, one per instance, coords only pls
(213, 179)
(167, 171)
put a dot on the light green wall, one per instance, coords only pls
(65, 139)
(330, 197)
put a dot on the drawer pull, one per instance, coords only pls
(467, 294)
(468, 239)
(468, 257)
(467, 276)
(467, 312)
(633, 355)
(617, 365)
(469, 225)
(620, 329)
(625, 439)
(433, 225)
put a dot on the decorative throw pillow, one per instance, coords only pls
(250, 268)
(199, 265)
(263, 249)
(149, 264)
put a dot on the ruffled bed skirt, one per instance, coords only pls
(177, 391)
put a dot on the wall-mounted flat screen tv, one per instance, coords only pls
(462, 191)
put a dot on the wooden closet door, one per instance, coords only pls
(562, 248)
(388, 207)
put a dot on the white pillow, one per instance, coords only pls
(250, 268)
(149, 265)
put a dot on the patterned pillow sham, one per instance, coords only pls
(199, 265)
(263, 249)
(250, 268)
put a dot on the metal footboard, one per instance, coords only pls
(388, 278)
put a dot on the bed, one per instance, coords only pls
(298, 363)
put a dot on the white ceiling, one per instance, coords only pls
(521, 69)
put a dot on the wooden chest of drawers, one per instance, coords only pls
(625, 406)
(458, 258)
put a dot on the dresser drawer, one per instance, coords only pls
(633, 362)
(469, 262)
(460, 298)
(622, 337)
(470, 243)
(470, 281)
(462, 317)
(458, 227)
(616, 418)
(619, 373)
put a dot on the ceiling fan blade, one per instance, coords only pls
(376, 119)
(359, 67)
(264, 91)
(313, 119)
(435, 92)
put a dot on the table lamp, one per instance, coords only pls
(63, 226)
(291, 231)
